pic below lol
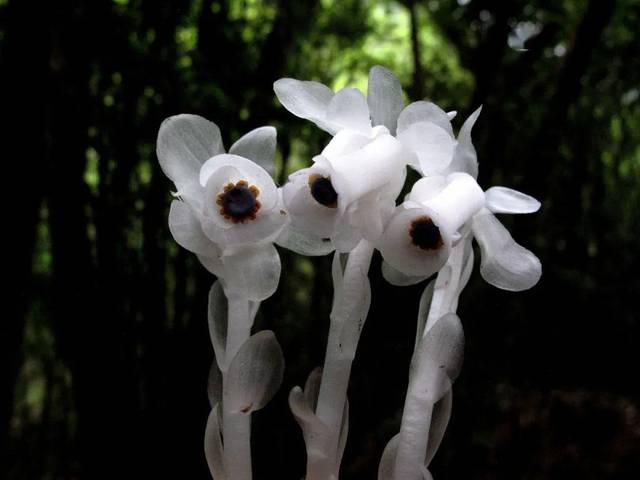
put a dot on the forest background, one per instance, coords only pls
(104, 350)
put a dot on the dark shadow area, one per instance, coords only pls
(104, 349)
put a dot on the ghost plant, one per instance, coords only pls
(229, 212)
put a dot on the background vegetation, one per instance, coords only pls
(104, 348)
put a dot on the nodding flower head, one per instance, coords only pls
(349, 191)
(418, 238)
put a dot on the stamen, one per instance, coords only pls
(322, 191)
(425, 234)
(238, 202)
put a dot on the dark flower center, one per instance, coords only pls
(322, 191)
(425, 234)
(238, 202)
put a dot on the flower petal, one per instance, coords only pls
(213, 264)
(426, 188)
(187, 232)
(294, 239)
(213, 446)
(398, 250)
(504, 263)
(384, 97)
(185, 142)
(252, 271)
(506, 200)
(348, 109)
(397, 278)
(433, 146)
(422, 111)
(465, 158)
(248, 170)
(259, 146)
(306, 214)
(255, 374)
(308, 100)
(265, 228)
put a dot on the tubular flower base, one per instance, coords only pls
(228, 211)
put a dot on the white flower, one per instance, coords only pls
(229, 211)
(417, 239)
(350, 190)
(419, 236)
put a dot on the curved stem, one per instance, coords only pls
(236, 426)
(347, 317)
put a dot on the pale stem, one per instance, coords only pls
(419, 403)
(236, 426)
(338, 360)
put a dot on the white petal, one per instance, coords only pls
(187, 232)
(302, 243)
(465, 158)
(432, 145)
(259, 146)
(457, 202)
(388, 460)
(367, 169)
(398, 250)
(397, 278)
(265, 228)
(306, 214)
(422, 111)
(504, 264)
(213, 264)
(185, 142)
(426, 188)
(384, 97)
(255, 374)
(506, 200)
(348, 109)
(249, 171)
(252, 271)
(308, 100)
(213, 446)
(345, 142)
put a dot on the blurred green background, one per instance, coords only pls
(104, 349)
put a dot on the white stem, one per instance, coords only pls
(236, 426)
(344, 333)
(419, 403)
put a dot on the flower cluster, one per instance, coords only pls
(349, 192)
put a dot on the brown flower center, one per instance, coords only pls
(425, 234)
(239, 202)
(322, 191)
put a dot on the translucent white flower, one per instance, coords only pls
(228, 211)
(350, 190)
(418, 238)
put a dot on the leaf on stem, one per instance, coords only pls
(255, 374)
(388, 460)
(439, 359)
(214, 385)
(213, 450)
(439, 421)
